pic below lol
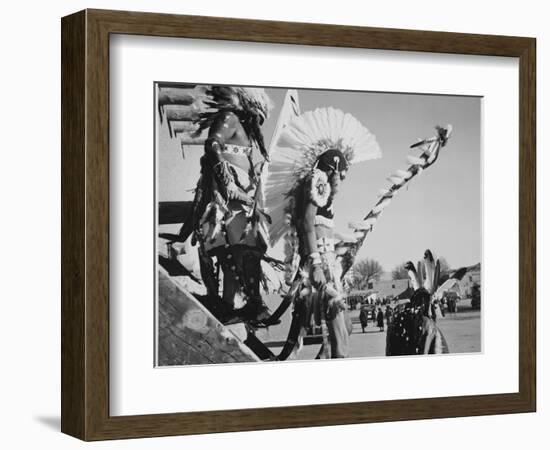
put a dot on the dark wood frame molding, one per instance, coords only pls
(85, 224)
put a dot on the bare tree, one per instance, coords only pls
(399, 272)
(364, 272)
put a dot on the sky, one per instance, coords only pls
(440, 209)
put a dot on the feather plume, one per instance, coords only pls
(405, 174)
(381, 205)
(429, 265)
(396, 180)
(415, 160)
(363, 224)
(421, 272)
(413, 275)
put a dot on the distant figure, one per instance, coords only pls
(380, 319)
(388, 314)
(452, 302)
(364, 318)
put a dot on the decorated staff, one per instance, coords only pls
(430, 149)
(229, 226)
(311, 159)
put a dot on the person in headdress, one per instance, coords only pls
(308, 165)
(413, 330)
(227, 219)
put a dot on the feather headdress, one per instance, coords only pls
(236, 98)
(300, 144)
(248, 103)
(255, 98)
(427, 275)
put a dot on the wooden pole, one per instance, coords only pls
(188, 140)
(177, 96)
(181, 112)
(182, 126)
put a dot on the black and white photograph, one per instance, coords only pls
(269, 225)
(304, 224)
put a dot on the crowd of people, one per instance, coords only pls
(375, 314)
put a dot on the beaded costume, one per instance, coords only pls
(227, 219)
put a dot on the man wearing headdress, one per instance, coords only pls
(309, 162)
(227, 219)
(317, 242)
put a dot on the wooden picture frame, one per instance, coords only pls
(85, 224)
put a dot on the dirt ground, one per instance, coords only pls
(462, 331)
